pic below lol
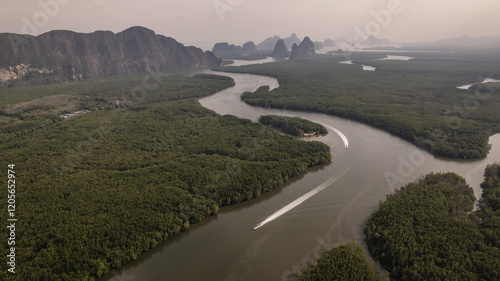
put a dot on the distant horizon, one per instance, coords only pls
(202, 22)
(209, 45)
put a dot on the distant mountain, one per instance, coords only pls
(469, 42)
(249, 47)
(374, 41)
(221, 49)
(280, 50)
(62, 55)
(224, 48)
(328, 43)
(305, 49)
(293, 39)
(318, 45)
(340, 40)
(270, 43)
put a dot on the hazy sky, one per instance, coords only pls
(203, 22)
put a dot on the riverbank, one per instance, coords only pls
(294, 126)
(158, 161)
(399, 97)
(284, 246)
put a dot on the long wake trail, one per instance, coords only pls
(300, 200)
(341, 135)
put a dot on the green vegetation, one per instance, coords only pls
(416, 100)
(343, 263)
(490, 206)
(24, 110)
(96, 190)
(295, 126)
(427, 230)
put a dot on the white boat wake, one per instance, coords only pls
(341, 135)
(300, 200)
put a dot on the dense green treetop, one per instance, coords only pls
(295, 126)
(343, 263)
(427, 230)
(96, 190)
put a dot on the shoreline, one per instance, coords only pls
(416, 144)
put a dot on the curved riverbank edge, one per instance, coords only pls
(294, 126)
(432, 145)
(322, 158)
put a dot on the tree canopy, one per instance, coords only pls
(294, 126)
(96, 190)
(416, 100)
(427, 230)
(343, 263)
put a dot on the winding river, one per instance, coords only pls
(225, 247)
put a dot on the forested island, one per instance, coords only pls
(427, 230)
(294, 126)
(346, 262)
(142, 164)
(417, 100)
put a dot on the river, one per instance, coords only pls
(225, 247)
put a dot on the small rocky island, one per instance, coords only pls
(280, 50)
(294, 126)
(305, 49)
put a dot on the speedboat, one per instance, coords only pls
(257, 226)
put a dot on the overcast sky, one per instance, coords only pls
(203, 22)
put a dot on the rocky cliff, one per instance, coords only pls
(293, 39)
(65, 55)
(270, 43)
(373, 41)
(305, 49)
(280, 50)
(224, 48)
(249, 47)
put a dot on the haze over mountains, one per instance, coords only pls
(466, 42)
(63, 55)
(269, 43)
(280, 50)
(453, 44)
(224, 48)
(305, 49)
